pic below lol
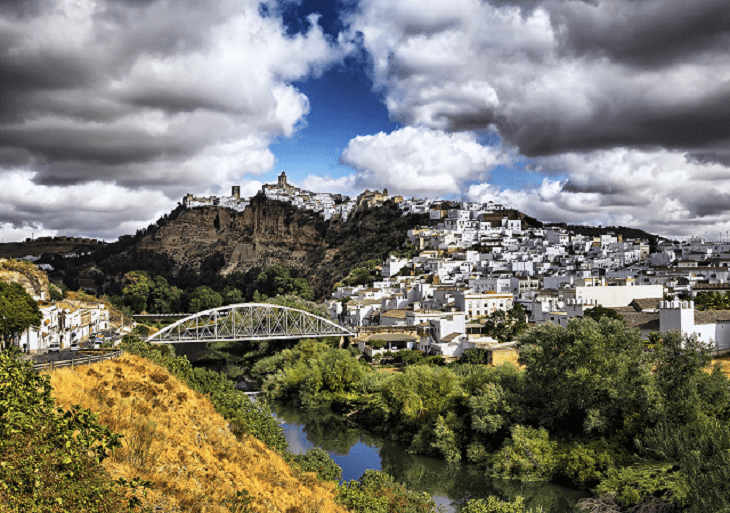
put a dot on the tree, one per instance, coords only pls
(18, 310)
(137, 292)
(280, 280)
(232, 296)
(587, 378)
(599, 311)
(505, 326)
(203, 298)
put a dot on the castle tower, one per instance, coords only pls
(236, 191)
(282, 180)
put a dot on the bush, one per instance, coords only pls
(377, 492)
(494, 505)
(317, 460)
(50, 459)
(528, 454)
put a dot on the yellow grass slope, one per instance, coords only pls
(174, 438)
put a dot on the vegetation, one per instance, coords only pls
(505, 326)
(51, 458)
(594, 407)
(599, 311)
(235, 407)
(155, 295)
(18, 310)
(712, 301)
(377, 492)
(174, 438)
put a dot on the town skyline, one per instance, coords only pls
(610, 112)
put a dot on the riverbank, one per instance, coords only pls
(355, 450)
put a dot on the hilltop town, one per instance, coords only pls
(467, 262)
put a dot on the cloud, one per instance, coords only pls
(556, 76)
(419, 161)
(98, 208)
(162, 95)
(626, 187)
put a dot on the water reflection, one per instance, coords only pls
(356, 450)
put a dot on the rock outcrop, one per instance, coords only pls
(33, 280)
(266, 233)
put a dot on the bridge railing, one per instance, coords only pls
(80, 360)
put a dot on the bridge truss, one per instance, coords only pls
(248, 321)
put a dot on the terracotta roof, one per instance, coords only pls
(393, 337)
(641, 320)
(721, 286)
(394, 314)
(450, 337)
(645, 304)
(711, 316)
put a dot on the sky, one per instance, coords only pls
(610, 112)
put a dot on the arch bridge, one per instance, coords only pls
(248, 321)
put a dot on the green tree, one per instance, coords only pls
(232, 296)
(18, 310)
(203, 298)
(281, 280)
(589, 377)
(599, 311)
(138, 291)
(56, 292)
(506, 325)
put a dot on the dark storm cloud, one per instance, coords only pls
(646, 33)
(623, 122)
(558, 76)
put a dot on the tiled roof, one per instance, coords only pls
(393, 337)
(711, 316)
(645, 304)
(450, 337)
(395, 314)
(641, 320)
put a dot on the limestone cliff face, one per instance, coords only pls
(266, 233)
(33, 280)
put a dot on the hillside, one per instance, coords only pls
(174, 438)
(216, 246)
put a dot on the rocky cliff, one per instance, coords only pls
(33, 280)
(219, 240)
(217, 246)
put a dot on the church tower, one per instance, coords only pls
(282, 181)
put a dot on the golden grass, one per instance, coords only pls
(174, 438)
(724, 362)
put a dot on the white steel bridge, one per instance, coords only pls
(248, 321)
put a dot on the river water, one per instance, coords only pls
(356, 450)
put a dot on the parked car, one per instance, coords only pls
(96, 343)
(54, 347)
(74, 346)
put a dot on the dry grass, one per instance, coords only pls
(174, 438)
(724, 362)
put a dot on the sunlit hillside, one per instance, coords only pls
(174, 438)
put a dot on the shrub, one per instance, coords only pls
(377, 492)
(317, 460)
(528, 454)
(50, 459)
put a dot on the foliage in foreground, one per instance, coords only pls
(50, 459)
(377, 492)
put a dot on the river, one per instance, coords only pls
(356, 450)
